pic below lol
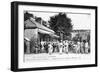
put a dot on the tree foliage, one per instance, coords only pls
(61, 23)
(27, 15)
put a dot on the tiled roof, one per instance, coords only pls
(31, 23)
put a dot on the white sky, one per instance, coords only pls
(79, 21)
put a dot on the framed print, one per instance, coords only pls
(52, 36)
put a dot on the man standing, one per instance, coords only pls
(60, 47)
(50, 48)
(78, 47)
(42, 46)
(66, 46)
(86, 47)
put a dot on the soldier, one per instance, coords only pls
(46, 47)
(42, 46)
(57, 46)
(75, 47)
(50, 48)
(82, 47)
(78, 47)
(60, 47)
(86, 47)
(66, 46)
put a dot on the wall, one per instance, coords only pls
(5, 17)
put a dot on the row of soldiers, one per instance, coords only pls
(65, 47)
(51, 47)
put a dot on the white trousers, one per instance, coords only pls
(60, 50)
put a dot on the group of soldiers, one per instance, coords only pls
(64, 47)
(51, 47)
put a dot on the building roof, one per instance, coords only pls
(80, 30)
(31, 23)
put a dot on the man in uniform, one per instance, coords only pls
(60, 47)
(66, 46)
(50, 48)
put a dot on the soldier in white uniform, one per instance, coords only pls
(42, 46)
(50, 48)
(82, 47)
(66, 46)
(78, 47)
(60, 47)
(86, 47)
(75, 47)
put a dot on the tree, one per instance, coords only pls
(27, 15)
(61, 24)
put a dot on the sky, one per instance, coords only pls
(79, 21)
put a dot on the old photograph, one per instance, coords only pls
(56, 35)
(52, 36)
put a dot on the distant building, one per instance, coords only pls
(83, 34)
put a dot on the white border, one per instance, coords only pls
(22, 64)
